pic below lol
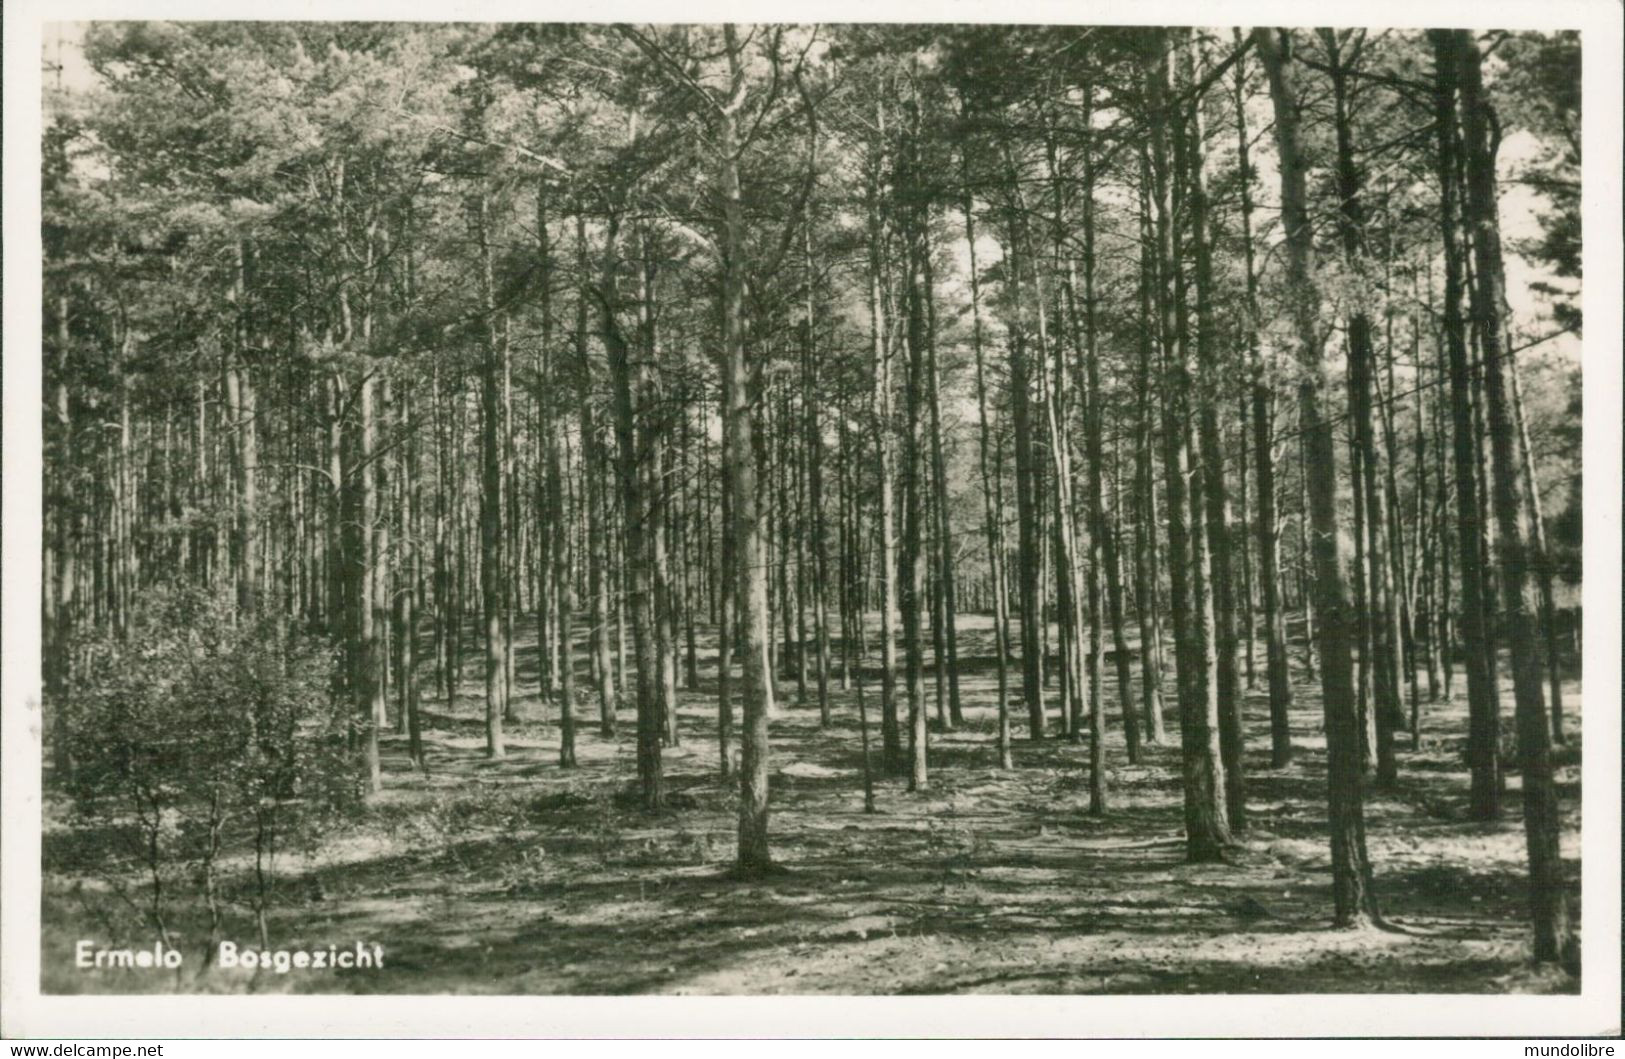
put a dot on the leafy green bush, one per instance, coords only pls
(202, 736)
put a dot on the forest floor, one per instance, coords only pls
(517, 877)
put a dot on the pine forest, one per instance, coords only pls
(858, 509)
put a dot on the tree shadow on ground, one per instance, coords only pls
(517, 876)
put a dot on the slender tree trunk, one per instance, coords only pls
(1554, 939)
(1103, 530)
(891, 749)
(636, 439)
(948, 601)
(491, 589)
(1354, 897)
(1401, 584)
(1427, 613)
(1244, 603)
(1537, 538)
(1446, 611)
(508, 546)
(364, 587)
(62, 571)
(740, 461)
(1263, 423)
(559, 500)
(991, 523)
(1102, 537)
(815, 489)
(559, 484)
(1145, 523)
(912, 566)
(1215, 487)
(1068, 591)
(1382, 617)
(1365, 652)
(1032, 679)
(1483, 756)
(654, 465)
(1207, 830)
(857, 649)
(693, 569)
(594, 462)
(727, 622)
(120, 575)
(412, 488)
(241, 380)
(383, 556)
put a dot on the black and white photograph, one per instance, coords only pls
(797, 508)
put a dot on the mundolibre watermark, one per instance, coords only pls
(228, 955)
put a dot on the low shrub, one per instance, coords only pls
(202, 734)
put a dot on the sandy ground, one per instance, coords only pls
(517, 877)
